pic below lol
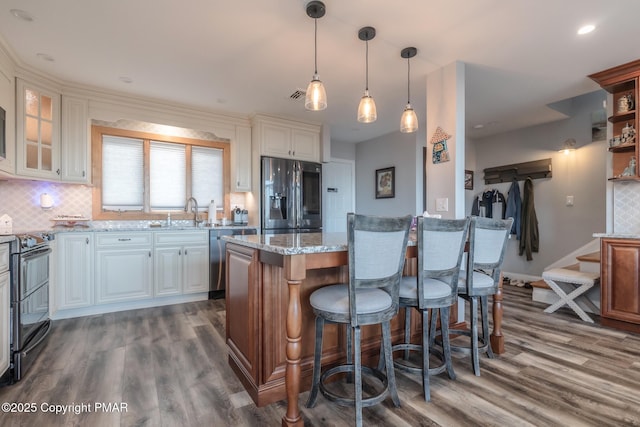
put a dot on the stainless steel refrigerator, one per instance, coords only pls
(291, 196)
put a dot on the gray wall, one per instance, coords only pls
(582, 174)
(342, 150)
(395, 149)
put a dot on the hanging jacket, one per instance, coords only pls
(529, 236)
(490, 204)
(514, 207)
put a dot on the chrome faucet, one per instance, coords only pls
(196, 219)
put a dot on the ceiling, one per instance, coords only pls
(249, 56)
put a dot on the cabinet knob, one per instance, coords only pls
(123, 240)
(58, 171)
(294, 152)
(179, 252)
(149, 254)
(289, 152)
(87, 240)
(185, 252)
(83, 174)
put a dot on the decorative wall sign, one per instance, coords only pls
(386, 183)
(439, 141)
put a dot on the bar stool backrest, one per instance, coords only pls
(377, 247)
(441, 245)
(487, 244)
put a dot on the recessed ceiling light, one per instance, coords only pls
(221, 101)
(22, 14)
(586, 29)
(45, 57)
(125, 79)
(478, 126)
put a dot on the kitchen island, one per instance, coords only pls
(269, 321)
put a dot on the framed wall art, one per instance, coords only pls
(468, 180)
(386, 183)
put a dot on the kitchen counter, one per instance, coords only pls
(270, 323)
(617, 235)
(128, 228)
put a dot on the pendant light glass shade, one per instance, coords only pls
(409, 119)
(316, 97)
(367, 108)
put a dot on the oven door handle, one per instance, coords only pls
(35, 344)
(35, 254)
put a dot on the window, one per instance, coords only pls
(139, 175)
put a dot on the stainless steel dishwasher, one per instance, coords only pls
(217, 258)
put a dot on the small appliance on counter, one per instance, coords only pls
(240, 216)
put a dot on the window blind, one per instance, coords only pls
(207, 181)
(167, 171)
(122, 173)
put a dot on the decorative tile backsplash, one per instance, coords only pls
(626, 208)
(21, 201)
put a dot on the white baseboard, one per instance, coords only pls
(129, 305)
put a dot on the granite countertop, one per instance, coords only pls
(617, 235)
(79, 229)
(297, 243)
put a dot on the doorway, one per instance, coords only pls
(338, 193)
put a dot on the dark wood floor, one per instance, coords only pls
(169, 366)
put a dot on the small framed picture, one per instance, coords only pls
(468, 180)
(386, 183)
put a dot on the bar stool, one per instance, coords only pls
(440, 248)
(487, 244)
(377, 247)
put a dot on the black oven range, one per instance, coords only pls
(29, 290)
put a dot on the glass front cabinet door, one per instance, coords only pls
(38, 131)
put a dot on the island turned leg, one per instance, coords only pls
(497, 339)
(295, 272)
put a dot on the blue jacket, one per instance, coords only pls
(514, 207)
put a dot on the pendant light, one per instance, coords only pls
(316, 97)
(367, 108)
(409, 120)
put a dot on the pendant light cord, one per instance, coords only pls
(315, 46)
(367, 65)
(408, 81)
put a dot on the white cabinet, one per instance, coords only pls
(51, 134)
(74, 270)
(4, 308)
(37, 131)
(287, 139)
(181, 262)
(75, 159)
(241, 160)
(124, 267)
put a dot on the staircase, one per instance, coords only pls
(583, 259)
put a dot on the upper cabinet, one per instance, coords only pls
(286, 139)
(74, 160)
(51, 145)
(37, 131)
(622, 84)
(241, 160)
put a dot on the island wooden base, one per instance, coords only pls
(271, 329)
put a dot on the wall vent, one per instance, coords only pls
(298, 94)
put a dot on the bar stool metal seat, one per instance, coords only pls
(377, 247)
(440, 249)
